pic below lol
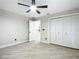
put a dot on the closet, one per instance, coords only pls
(65, 31)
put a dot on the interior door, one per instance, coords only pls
(34, 31)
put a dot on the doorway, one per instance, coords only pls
(34, 31)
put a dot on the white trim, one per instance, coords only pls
(44, 41)
(8, 45)
(62, 16)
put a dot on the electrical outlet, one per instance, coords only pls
(45, 38)
(15, 39)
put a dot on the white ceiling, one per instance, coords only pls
(54, 6)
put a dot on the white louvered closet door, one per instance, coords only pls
(67, 31)
(52, 31)
(75, 31)
(61, 31)
(56, 31)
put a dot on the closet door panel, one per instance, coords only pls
(67, 32)
(52, 31)
(56, 31)
(59, 30)
(75, 31)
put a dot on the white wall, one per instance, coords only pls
(12, 26)
(44, 34)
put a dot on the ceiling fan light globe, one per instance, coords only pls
(33, 8)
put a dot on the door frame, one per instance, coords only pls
(29, 30)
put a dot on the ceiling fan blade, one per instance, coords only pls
(28, 10)
(33, 2)
(44, 6)
(38, 11)
(23, 4)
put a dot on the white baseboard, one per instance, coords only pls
(8, 45)
(45, 42)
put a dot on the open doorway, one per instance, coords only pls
(34, 31)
